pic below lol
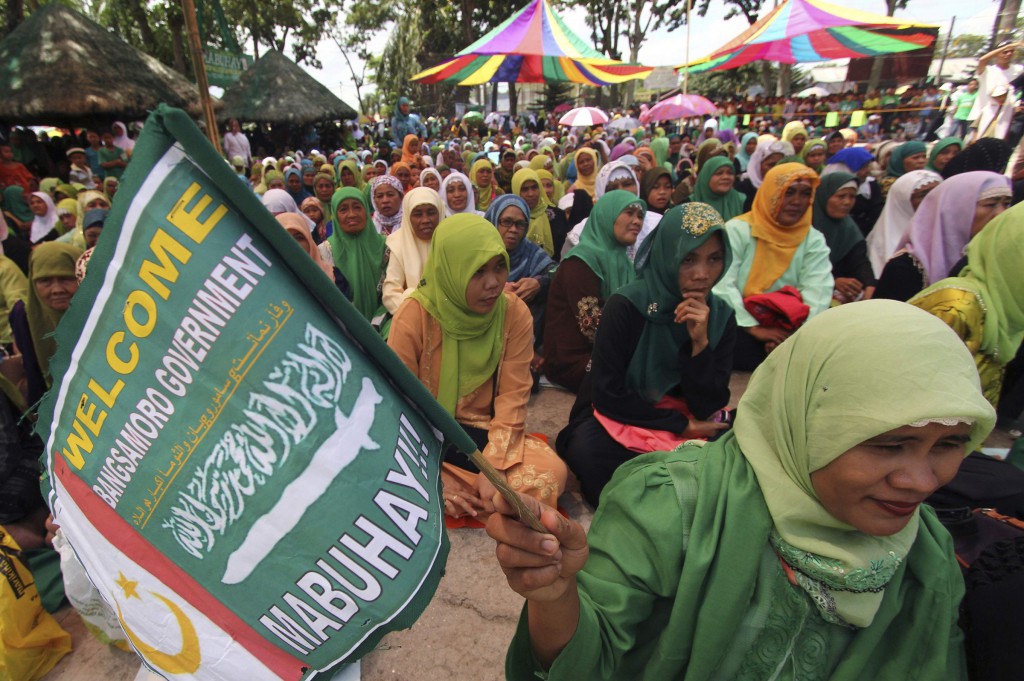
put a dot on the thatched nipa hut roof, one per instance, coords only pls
(59, 66)
(276, 90)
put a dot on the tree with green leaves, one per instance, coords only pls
(352, 34)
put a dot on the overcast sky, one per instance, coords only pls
(707, 34)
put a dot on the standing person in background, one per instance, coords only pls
(404, 123)
(996, 73)
(113, 159)
(236, 143)
(963, 103)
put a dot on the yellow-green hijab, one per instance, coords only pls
(472, 343)
(540, 228)
(822, 392)
(49, 259)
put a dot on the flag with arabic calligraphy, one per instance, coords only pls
(248, 474)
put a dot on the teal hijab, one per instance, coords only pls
(942, 144)
(358, 256)
(900, 154)
(14, 201)
(728, 205)
(599, 248)
(655, 367)
(840, 235)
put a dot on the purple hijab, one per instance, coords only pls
(941, 227)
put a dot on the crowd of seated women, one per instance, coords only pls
(640, 286)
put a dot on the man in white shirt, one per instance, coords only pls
(995, 73)
(237, 144)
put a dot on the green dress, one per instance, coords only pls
(637, 622)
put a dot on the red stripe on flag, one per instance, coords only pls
(126, 538)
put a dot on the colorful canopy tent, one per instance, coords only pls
(534, 45)
(801, 31)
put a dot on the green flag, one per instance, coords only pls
(249, 475)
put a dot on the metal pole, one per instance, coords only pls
(686, 69)
(945, 50)
(196, 49)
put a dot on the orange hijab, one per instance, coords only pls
(398, 165)
(408, 156)
(776, 244)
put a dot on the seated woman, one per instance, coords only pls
(298, 228)
(482, 177)
(530, 268)
(586, 160)
(947, 219)
(457, 195)
(943, 152)
(795, 132)
(661, 362)
(526, 184)
(905, 195)
(471, 345)
(409, 247)
(847, 250)
(905, 158)
(656, 190)
(867, 206)
(431, 179)
(590, 273)
(386, 194)
(765, 157)
(52, 283)
(553, 193)
(356, 251)
(46, 226)
(714, 187)
(814, 153)
(795, 546)
(774, 246)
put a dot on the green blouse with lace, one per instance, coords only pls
(640, 620)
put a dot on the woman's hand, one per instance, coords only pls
(707, 429)
(768, 335)
(540, 567)
(459, 499)
(849, 287)
(694, 312)
(526, 288)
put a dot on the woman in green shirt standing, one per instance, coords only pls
(793, 547)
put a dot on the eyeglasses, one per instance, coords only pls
(509, 223)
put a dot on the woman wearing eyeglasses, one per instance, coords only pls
(530, 267)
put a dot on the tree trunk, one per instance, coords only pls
(513, 100)
(177, 25)
(494, 96)
(13, 14)
(876, 65)
(766, 76)
(785, 78)
(138, 14)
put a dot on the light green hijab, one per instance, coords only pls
(472, 343)
(993, 273)
(728, 205)
(598, 246)
(827, 389)
(655, 368)
(49, 259)
(351, 165)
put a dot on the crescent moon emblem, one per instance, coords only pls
(185, 661)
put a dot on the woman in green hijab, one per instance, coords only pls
(796, 546)
(715, 187)
(848, 251)
(471, 344)
(589, 274)
(660, 367)
(356, 249)
(52, 283)
(16, 211)
(813, 154)
(943, 152)
(904, 158)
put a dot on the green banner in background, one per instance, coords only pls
(249, 475)
(223, 67)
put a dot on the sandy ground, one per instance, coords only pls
(464, 632)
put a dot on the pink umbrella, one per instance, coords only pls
(562, 108)
(584, 116)
(679, 106)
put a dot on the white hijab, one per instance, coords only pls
(41, 225)
(766, 148)
(896, 217)
(455, 176)
(122, 140)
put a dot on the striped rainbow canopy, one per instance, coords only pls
(801, 31)
(534, 45)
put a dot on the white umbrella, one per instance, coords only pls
(584, 116)
(494, 117)
(625, 123)
(816, 91)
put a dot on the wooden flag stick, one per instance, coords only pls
(510, 495)
(199, 67)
